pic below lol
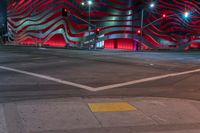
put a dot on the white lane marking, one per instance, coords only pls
(145, 80)
(103, 87)
(48, 78)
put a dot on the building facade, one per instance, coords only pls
(114, 23)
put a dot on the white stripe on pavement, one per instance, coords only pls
(48, 78)
(145, 80)
(103, 87)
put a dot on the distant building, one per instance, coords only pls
(42, 21)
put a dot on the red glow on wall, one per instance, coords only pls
(195, 45)
(56, 41)
(109, 44)
(126, 44)
(27, 42)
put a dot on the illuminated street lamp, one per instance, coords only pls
(140, 32)
(152, 5)
(186, 14)
(82, 3)
(89, 3)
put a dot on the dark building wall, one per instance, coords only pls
(41, 21)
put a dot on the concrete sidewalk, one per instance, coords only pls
(73, 115)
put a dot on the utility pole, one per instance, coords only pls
(141, 26)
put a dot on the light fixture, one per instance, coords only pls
(164, 15)
(186, 14)
(152, 5)
(82, 3)
(89, 2)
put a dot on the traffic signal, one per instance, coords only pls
(97, 31)
(139, 32)
(65, 12)
(164, 16)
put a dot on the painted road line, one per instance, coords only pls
(48, 78)
(111, 107)
(103, 87)
(145, 80)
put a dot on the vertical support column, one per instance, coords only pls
(133, 29)
(89, 26)
(141, 26)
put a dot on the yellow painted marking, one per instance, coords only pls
(111, 107)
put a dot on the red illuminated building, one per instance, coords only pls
(55, 23)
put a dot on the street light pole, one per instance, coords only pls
(89, 9)
(141, 26)
(89, 2)
(152, 5)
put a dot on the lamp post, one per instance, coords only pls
(141, 32)
(89, 3)
(152, 5)
(89, 14)
(186, 15)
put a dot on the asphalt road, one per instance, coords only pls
(96, 69)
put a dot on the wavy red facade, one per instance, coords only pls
(40, 21)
